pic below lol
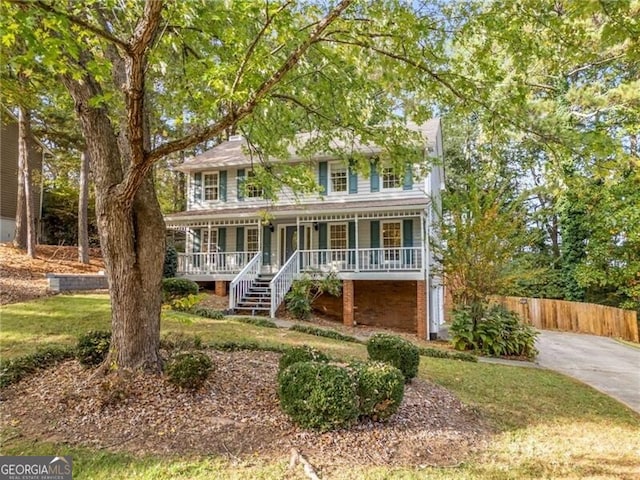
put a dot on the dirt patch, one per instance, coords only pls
(23, 278)
(235, 415)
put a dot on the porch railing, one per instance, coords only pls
(282, 281)
(242, 283)
(363, 260)
(214, 262)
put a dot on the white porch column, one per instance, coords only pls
(357, 246)
(423, 226)
(297, 233)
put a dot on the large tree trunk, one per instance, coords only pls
(25, 237)
(83, 205)
(132, 237)
(133, 243)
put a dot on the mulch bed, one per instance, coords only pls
(235, 415)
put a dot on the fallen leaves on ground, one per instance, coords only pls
(235, 415)
(23, 278)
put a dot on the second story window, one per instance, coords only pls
(390, 179)
(252, 190)
(339, 178)
(211, 186)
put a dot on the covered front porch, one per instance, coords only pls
(353, 245)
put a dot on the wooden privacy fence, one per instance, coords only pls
(574, 316)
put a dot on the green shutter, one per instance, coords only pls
(322, 236)
(353, 180)
(375, 177)
(266, 245)
(375, 233)
(352, 235)
(407, 233)
(239, 239)
(223, 185)
(407, 241)
(408, 178)
(222, 239)
(240, 184)
(323, 178)
(197, 187)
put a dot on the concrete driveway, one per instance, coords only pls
(606, 365)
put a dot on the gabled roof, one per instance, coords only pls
(236, 152)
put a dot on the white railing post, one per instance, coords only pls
(242, 282)
(282, 281)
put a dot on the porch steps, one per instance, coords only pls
(258, 297)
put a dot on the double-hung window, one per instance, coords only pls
(390, 180)
(252, 240)
(339, 178)
(252, 190)
(211, 182)
(392, 240)
(338, 241)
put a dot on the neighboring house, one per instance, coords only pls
(372, 231)
(9, 177)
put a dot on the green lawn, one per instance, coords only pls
(547, 425)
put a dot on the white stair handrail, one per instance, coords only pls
(242, 282)
(282, 281)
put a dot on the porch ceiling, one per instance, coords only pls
(306, 213)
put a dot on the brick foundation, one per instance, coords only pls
(348, 300)
(379, 303)
(221, 288)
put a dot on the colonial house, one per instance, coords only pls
(372, 231)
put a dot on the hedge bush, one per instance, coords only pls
(436, 353)
(321, 332)
(318, 395)
(189, 369)
(380, 389)
(15, 369)
(258, 322)
(181, 341)
(301, 354)
(173, 288)
(207, 312)
(499, 332)
(93, 347)
(396, 351)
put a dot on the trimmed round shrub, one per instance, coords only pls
(301, 354)
(380, 389)
(396, 351)
(93, 347)
(189, 369)
(170, 267)
(317, 395)
(173, 288)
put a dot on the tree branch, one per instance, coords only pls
(142, 37)
(76, 20)
(401, 58)
(245, 109)
(254, 43)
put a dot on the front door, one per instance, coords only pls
(289, 242)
